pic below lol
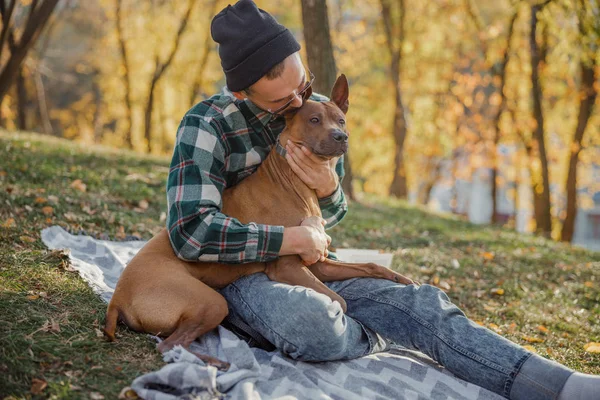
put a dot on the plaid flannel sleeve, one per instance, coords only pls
(197, 229)
(335, 207)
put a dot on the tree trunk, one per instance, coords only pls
(586, 104)
(541, 190)
(159, 70)
(399, 187)
(21, 100)
(502, 75)
(31, 31)
(42, 104)
(319, 51)
(206, 51)
(148, 115)
(126, 80)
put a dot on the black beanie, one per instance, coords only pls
(251, 42)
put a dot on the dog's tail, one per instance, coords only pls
(110, 324)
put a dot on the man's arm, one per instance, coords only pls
(197, 228)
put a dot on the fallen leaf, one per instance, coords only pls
(96, 396)
(163, 216)
(444, 285)
(2, 173)
(128, 393)
(488, 255)
(38, 386)
(53, 199)
(435, 280)
(9, 223)
(532, 339)
(33, 297)
(589, 284)
(495, 327)
(143, 204)
(455, 263)
(54, 327)
(530, 348)
(40, 200)
(512, 327)
(120, 233)
(592, 347)
(69, 216)
(77, 184)
(543, 329)
(47, 210)
(27, 239)
(479, 323)
(99, 333)
(497, 291)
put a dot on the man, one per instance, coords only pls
(223, 140)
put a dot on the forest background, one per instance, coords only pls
(442, 91)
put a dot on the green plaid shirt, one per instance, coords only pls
(221, 141)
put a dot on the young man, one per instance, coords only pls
(223, 140)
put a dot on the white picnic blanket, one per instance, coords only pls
(257, 374)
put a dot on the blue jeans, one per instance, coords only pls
(308, 326)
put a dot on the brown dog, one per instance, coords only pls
(161, 294)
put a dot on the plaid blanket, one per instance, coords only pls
(396, 373)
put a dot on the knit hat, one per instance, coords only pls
(251, 42)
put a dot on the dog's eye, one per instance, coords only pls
(314, 120)
(342, 122)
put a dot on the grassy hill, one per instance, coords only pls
(536, 292)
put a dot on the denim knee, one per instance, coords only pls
(321, 332)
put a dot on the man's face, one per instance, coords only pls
(271, 95)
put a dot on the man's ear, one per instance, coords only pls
(308, 93)
(340, 92)
(240, 95)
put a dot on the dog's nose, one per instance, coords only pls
(339, 136)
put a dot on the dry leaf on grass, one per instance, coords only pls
(530, 348)
(592, 347)
(77, 184)
(27, 239)
(532, 339)
(128, 393)
(38, 386)
(48, 210)
(9, 223)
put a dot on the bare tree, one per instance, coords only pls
(541, 198)
(319, 51)
(499, 72)
(393, 22)
(206, 51)
(126, 80)
(38, 14)
(589, 92)
(160, 68)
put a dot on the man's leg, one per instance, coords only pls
(423, 318)
(302, 323)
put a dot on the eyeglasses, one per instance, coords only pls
(304, 93)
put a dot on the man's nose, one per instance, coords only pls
(297, 102)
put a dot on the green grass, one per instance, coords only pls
(546, 284)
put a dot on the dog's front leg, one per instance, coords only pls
(290, 270)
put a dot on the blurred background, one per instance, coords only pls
(487, 109)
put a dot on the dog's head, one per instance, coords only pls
(321, 126)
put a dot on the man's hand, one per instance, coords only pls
(318, 240)
(317, 173)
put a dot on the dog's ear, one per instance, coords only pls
(340, 92)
